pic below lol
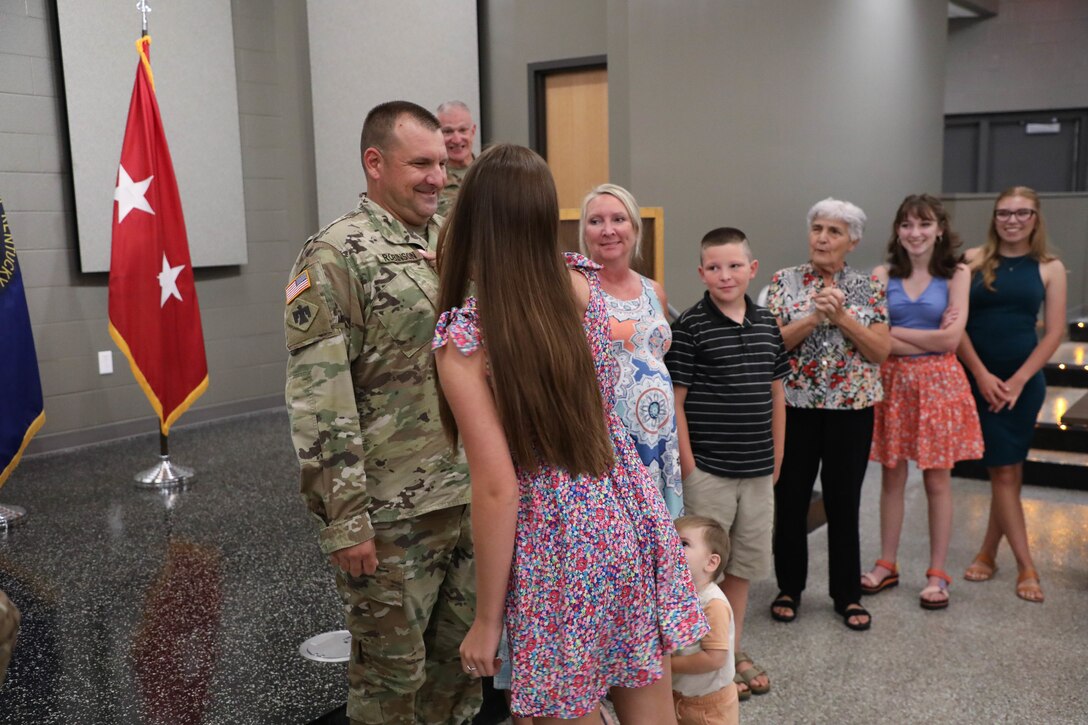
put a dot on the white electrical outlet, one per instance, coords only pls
(105, 362)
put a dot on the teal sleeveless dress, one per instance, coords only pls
(1001, 326)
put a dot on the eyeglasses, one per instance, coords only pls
(1020, 214)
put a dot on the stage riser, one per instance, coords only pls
(1055, 439)
(1070, 377)
(1054, 475)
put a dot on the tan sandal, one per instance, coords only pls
(1027, 586)
(981, 569)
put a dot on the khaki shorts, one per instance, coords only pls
(745, 508)
(717, 708)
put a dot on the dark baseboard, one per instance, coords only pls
(51, 443)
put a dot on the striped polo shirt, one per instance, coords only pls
(728, 369)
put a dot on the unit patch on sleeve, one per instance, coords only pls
(301, 314)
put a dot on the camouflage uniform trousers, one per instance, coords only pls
(9, 627)
(407, 622)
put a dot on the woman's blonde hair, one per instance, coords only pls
(502, 237)
(988, 261)
(624, 197)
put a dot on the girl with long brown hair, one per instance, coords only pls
(1014, 275)
(928, 415)
(574, 547)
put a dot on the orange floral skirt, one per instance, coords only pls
(928, 414)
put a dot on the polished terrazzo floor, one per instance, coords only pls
(189, 608)
(144, 608)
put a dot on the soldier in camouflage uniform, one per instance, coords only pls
(459, 133)
(390, 495)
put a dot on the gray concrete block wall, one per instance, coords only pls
(241, 306)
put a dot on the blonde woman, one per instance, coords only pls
(1014, 274)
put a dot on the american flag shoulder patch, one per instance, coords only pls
(298, 285)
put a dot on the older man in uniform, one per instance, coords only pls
(390, 495)
(459, 133)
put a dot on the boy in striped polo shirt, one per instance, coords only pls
(727, 362)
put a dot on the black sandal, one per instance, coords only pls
(855, 610)
(785, 601)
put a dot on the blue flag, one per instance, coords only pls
(22, 410)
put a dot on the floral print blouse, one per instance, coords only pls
(827, 370)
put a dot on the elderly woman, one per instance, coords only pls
(610, 233)
(834, 322)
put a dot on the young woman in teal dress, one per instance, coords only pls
(1013, 275)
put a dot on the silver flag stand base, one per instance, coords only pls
(11, 515)
(166, 475)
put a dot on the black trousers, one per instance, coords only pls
(837, 443)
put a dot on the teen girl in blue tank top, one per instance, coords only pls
(927, 415)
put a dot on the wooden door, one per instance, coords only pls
(576, 131)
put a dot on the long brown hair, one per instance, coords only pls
(943, 261)
(503, 237)
(988, 261)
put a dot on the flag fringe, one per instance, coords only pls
(31, 431)
(164, 423)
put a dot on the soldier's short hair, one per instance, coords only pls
(443, 107)
(379, 123)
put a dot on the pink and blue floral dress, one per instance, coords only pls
(599, 587)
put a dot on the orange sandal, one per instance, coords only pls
(1027, 586)
(981, 569)
(946, 581)
(869, 584)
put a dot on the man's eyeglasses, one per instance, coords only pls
(1020, 214)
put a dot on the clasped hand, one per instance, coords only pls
(830, 303)
(999, 393)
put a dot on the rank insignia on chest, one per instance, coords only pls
(297, 286)
(301, 314)
(399, 258)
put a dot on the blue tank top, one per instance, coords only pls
(923, 313)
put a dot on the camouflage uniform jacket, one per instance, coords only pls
(359, 320)
(454, 178)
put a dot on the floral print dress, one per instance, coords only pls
(644, 401)
(599, 586)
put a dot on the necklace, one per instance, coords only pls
(1011, 263)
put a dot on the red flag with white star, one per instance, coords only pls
(154, 317)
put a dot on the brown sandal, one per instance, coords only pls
(1027, 586)
(981, 569)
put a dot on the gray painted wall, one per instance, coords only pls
(366, 52)
(241, 306)
(523, 32)
(1032, 55)
(745, 114)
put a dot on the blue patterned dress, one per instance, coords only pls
(599, 586)
(644, 401)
